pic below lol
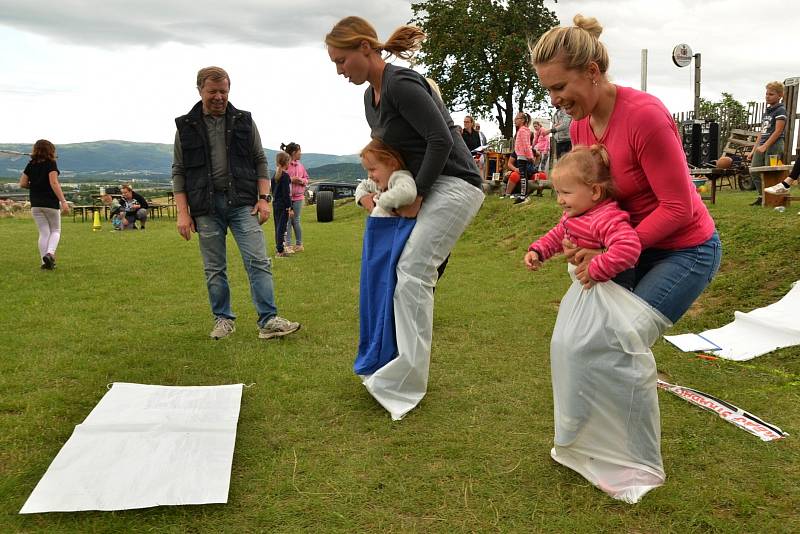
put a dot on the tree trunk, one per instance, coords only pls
(507, 122)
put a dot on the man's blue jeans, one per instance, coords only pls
(212, 230)
(671, 280)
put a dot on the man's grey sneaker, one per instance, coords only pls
(223, 328)
(277, 327)
(777, 189)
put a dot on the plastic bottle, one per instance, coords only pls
(780, 209)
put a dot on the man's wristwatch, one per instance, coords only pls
(268, 198)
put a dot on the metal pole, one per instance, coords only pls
(644, 70)
(697, 86)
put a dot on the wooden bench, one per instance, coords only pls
(771, 175)
(85, 212)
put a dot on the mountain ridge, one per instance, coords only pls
(119, 159)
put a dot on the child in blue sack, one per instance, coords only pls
(387, 187)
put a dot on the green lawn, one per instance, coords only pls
(315, 452)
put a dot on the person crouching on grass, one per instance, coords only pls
(591, 218)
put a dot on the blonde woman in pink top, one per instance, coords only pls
(299, 179)
(681, 250)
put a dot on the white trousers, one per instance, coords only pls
(446, 212)
(49, 222)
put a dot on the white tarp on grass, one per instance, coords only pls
(143, 446)
(750, 334)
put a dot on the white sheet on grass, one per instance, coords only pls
(143, 446)
(753, 333)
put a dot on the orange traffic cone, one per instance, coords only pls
(96, 226)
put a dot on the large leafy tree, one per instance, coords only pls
(728, 112)
(477, 51)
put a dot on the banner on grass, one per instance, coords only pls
(746, 421)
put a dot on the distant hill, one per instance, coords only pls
(125, 159)
(338, 172)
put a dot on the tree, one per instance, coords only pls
(728, 112)
(477, 51)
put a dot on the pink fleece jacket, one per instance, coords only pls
(296, 170)
(604, 226)
(522, 144)
(650, 172)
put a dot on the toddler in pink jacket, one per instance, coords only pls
(591, 220)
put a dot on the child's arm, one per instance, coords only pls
(622, 247)
(532, 260)
(365, 187)
(402, 191)
(545, 247)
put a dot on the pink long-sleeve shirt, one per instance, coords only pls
(604, 226)
(522, 144)
(541, 142)
(650, 174)
(296, 170)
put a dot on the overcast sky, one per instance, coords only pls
(85, 70)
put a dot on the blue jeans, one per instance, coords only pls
(212, 230)
(671, 280)
(294, 223)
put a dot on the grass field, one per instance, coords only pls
(314, 452)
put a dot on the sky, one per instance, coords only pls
(89, 70)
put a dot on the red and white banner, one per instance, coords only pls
(746, 421)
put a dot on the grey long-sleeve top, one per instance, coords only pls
(410, 119)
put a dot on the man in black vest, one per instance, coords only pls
(219, 177)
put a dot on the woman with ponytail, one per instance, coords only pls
(402, 110)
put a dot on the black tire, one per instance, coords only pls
(745, 182)
(324, 202)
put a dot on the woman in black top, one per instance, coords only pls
(402, 111)
(47, 199)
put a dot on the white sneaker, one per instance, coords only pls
(277, 327)
(223, 328)
(777, 189)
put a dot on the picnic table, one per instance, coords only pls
(771, 175)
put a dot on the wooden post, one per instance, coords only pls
(790, 99)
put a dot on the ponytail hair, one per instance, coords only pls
(350, 32)
(282, 159)
(591, 165)
(291, 148)
(576, 47)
